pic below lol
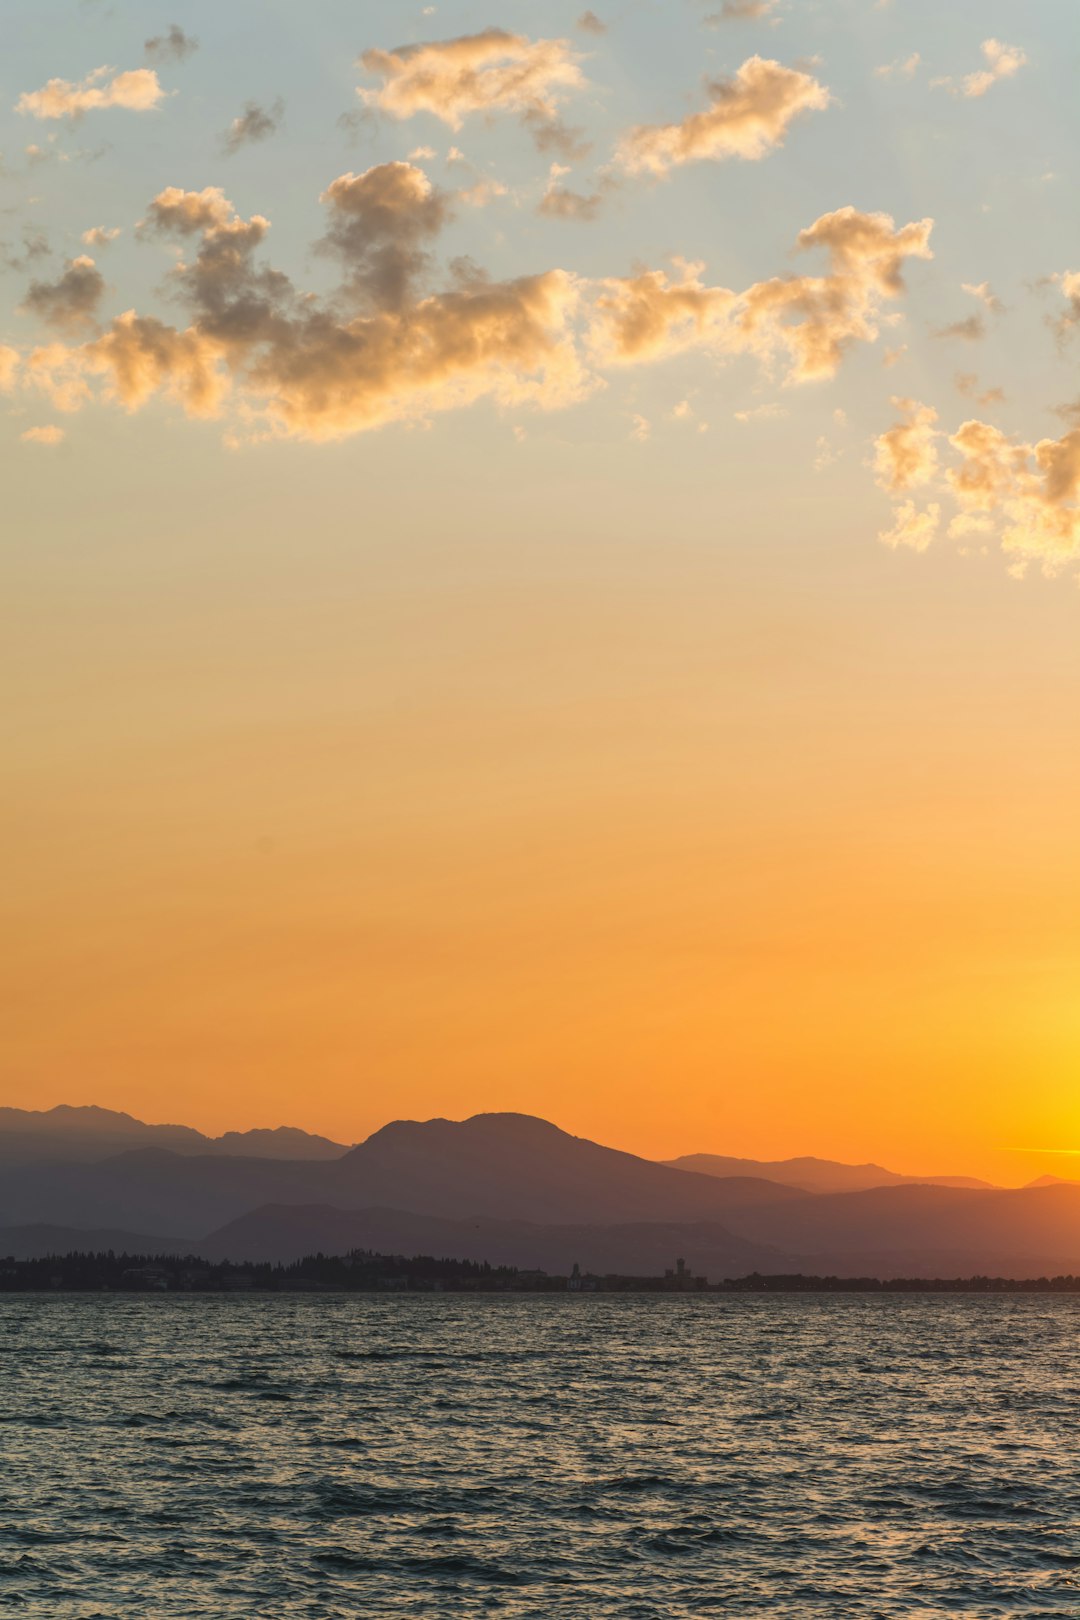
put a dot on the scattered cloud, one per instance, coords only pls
(1002, 62)
(983, 291)
(906, 454)
(640, 428)
(379, 223)
(100, 236)
(967, 383)
(49, 435)
(1069, 282)
(561, 202)
(912, 528)
(971, 329)
(9, 367)
(137, 91)
(71, 303)
(768, 412)
(747, 117)
(589, 23)
(254, 124)
(294, 365)
(172, 46)
(903, 67)
(1027, 494)
(493, 71)
(35, 246)
(806, 322)
(742, 11)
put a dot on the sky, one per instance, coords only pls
(540, 570)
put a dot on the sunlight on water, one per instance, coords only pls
(634, 1457)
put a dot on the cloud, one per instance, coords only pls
(589, 23)
(911, 527)
(983, 291)
(648, 316)
(173, 46)
(967, 383)
(1002, 62)
(747, 117)
(1069, 282)
(903, 66)
(49, 435)
(255, 123)
(138, 91)
(292, 364)
(378, 223)
(35, 245)
(9, 366)
(561, 202)
(742, 11)
(640, 428)
(1025, 494)
(806, 322)
(906, 455)
(100, 236)
(69, 304)
(769, 412)
(972, 328)
(493, 71)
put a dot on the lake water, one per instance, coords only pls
(632, 1456)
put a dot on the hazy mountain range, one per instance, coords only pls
(507, 1188)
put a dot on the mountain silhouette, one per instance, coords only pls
(509, 1179)
(66, 1134)
(815, 1175)
(505, 1166)
(288, 1232)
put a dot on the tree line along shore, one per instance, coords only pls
(366, 1272)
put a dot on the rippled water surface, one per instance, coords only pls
(636, 1456)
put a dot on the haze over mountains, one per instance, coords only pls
(510, 1189)
(815, 1175)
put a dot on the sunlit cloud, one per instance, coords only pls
(804, 321)
(137, 91)
(1002, 62)
(493, 71)
(47, 436)
(748, 116)
(1024, 493)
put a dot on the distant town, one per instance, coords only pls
(365, 1272)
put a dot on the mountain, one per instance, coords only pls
(925, 1231)
(503, 1166)
(814, 1175)
(89, 1134)
(287, 1232)
(1053, 1181)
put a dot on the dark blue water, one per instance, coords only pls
(539, 1456)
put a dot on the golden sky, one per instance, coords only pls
(540, 573)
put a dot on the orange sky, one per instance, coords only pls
(604, 641)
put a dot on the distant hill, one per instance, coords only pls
(511, 1188)
(86, 1134)
(814, 1175)
(1054, 1181)
(918, 1230)
(283, 1232)
(503, 1166)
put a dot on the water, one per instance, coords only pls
(632, 1456)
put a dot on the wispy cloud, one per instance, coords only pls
(136, 91)
(748, 116)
